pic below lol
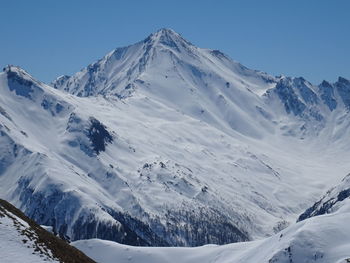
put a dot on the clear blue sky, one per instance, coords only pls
(309, 38)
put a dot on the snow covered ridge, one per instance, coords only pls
(207, 84)
(162, 143)
(22, 240)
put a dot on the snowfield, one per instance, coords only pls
(322, 239)
(162, 143)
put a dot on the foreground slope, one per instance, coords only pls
(161, 142)
(22, 240)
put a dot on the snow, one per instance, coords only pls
(320, 239)
(226, 153)
(15, 246)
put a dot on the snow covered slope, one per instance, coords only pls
(318, 238)
(22, 240)
(322, 239)
(163, 143)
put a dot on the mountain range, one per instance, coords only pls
(162, 143)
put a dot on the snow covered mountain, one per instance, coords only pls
(22, 240)
(166, 144)
(201, 83)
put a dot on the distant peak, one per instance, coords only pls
(165, 32)
(325, 84)
(62, 78)
(19, 74)
(12, 68)
(167, 37)
(343, 80)
(12, 71)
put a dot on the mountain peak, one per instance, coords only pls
(167, 37)
(325, 83)
(16, 72)
(165, 32)
(343, 80)
(12, 68)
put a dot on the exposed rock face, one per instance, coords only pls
(343, 88)
(330, 202)
(327, 95)
(98, 135)
(299, 98)
(90, 135)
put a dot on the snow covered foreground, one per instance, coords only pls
(161, 142)
(323, 239)
(23, 241)
(17, 242)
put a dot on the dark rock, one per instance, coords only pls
(98, 135)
